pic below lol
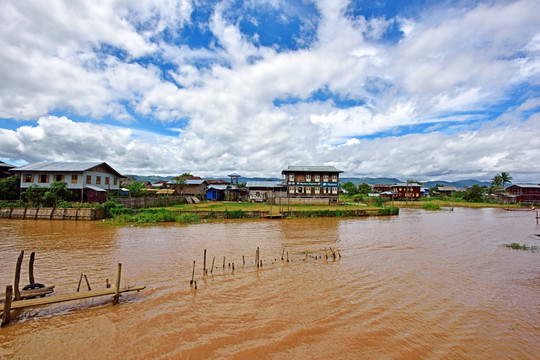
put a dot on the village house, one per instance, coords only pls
(406, 191)
(4, 170)
(524, 193)
(193, 186)
(311, 184)
(445, 190)
(91, 180)
(265, 191)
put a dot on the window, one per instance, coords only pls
(291, 190)
(325, 177)
(317, 190)
(74, 179)
(107, 182)
(43, 178)
(58, 177)
(308, 190)
(334, 178)
(98, 179)
(115, 182)
(308, 177)
(334, 190)
(88, 179)
(28, 178)
(291, 177)
(318, 178)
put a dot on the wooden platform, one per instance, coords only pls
(28, 294)
(70, 297)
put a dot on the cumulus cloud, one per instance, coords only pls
(240, 106)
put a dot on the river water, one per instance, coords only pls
(430, 285)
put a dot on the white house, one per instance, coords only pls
(91, 179)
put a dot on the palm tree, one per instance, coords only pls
(505, 178)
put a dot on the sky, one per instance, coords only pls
(420, 90)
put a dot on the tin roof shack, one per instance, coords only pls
(216, 192)
(193, 187)
(312, 184)
(406, 191)
(445, 190)
(524, 193)
(91, 181)
(265, 191)
(5, 170)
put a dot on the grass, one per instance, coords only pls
(431, 206)
(518, 246)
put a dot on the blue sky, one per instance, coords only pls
(408, 89)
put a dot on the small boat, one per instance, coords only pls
(520, 209)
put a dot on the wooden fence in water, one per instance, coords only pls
(51, 213)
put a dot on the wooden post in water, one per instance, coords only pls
(117, 290)
(192, 274)
(80, 280)
(257, 257)
(7, 306)
(287, 256)
(87, 283)
(204, 264)
(224, 262)
(212, 269)
(243, 260)
(31, 268)
(282, 253)
(18, 276)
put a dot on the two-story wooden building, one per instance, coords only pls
(318, 183)
(406, 191)
(90, 180)
(524, 193)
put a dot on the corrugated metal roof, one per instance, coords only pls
(62, 166)
(409, 184)
(264, 184)
(95, 188)
(529, 186)
(312, 169)
(218, 186)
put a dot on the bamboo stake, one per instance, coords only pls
(204, 264)
(31, 268)
(212, 270)
(287, 256)
(6, 315)
(233, 267)
(117, 292)
(224, 262)
(339, 253)
(282, 253)
(192, 274)
(257, 257)
(87, 283)
(80, 280)
(18, 276)
(243, 260)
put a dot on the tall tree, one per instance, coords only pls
(179, 182)
(505, 178)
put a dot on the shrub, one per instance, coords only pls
(188, 218)
(388, 211)
(64, 204)
(431, 206)
(235, 214)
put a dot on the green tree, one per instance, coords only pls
(34, 195)
(10, 187)
(350, 187)
(56, 192)
(179, 182)
(137, 189)
(505, 178)
(475, 193)
(364, 189)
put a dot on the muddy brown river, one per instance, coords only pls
(421, 285)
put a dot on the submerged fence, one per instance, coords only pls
(52, 213)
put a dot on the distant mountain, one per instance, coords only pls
(370, 180)
(355, 180)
